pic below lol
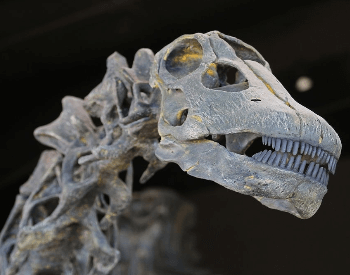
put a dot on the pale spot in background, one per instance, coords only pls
(303, 84)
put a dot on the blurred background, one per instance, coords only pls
(50, 49)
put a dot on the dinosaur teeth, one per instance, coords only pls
(295, 148)
(334, 166)
(310, 150)
(289, 146)
(320, 155)
(297, 163)
(330, 163)
(302, 147)
(302, 167)
(310, 168)
(307, 146)
(314, 172)
(269, 141)
(319, 174)
(272, 158)
(324, 158)
(278, 144)
(262, 154)
(323, 177)
(284, 160)
(273, 143)
(313, 153)
(266, 157)
(277, 160)
(284, 145)
(299, 157)
(290, 163)
(255, 156)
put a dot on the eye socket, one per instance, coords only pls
(184, 58)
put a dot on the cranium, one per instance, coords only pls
(200, 106)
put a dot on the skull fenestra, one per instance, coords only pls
(218, 97)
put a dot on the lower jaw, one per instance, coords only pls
(280, 189)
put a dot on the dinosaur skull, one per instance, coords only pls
(208, 121)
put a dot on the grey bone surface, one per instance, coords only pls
(74, 211)
(265, 109)
(65, 219)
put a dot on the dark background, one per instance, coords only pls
(50, 49)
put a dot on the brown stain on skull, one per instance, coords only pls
(212, 70)
(190, 54)
(274, 93)
(83, 140)
(166, 54)
(267, 85)
(193, 166)
(198, 118)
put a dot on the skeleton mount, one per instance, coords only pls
(209, 97)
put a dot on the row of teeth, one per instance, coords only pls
(296, 147)
(296, 156)
(281, 160)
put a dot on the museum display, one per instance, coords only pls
(200, 102)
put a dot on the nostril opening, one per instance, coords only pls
(255, 99)
(183, 116)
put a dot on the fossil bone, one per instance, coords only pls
(65, 218)
(209, 97)
(200, 101)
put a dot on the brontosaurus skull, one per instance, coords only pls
(201, 106)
